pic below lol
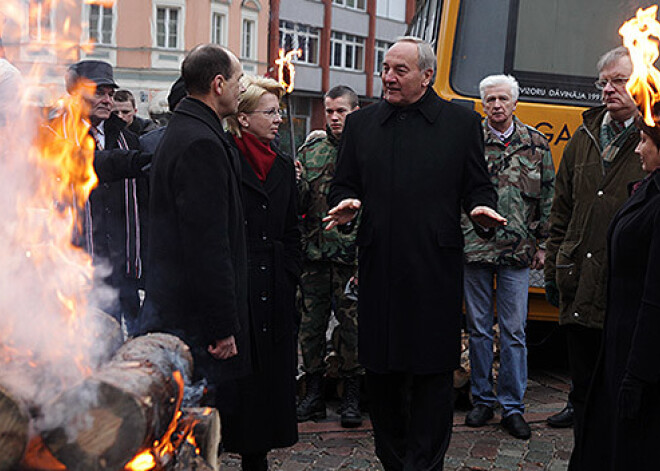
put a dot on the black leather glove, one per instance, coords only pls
(630, 397)
(552, 293)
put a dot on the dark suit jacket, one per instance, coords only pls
(413, 168)
(197, 286)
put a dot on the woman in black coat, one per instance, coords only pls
(622, 422)
(265, 409)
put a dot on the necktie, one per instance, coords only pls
(97, 138)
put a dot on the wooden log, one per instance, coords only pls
(14, 428)
(188, 460)
(36, 380)
(122, 408)
(39, 458)
(206, 432)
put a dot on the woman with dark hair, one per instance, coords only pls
(622, 421)
(263, 415)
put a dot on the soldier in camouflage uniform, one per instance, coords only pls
(330, 262)
(521, 169)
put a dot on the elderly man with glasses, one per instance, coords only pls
(598, 163)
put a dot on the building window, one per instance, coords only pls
(353, 4)
(392, 9)
(303, 37)
(346, 51)
(218, 28)
(100, 24)
(247, 43)
(380, 48)
(167, 27)
(40, 19)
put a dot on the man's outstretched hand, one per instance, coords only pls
(344, 212)
(487, 217)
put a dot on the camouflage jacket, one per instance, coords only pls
(318, 158)
(523, 173)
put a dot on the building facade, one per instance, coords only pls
(145, 40)
(343, 42)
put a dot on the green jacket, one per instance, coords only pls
(318, 158)
(524, 175)
(586, 199)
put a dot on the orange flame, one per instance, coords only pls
(641, 35)
(49, 161)
(165, 448)
(285, 60)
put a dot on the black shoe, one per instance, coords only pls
(516, 426)
(563, 418)
(479, 415)
(312, 405)
(350, 404)
(254, 462)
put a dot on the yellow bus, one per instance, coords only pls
(550, 46)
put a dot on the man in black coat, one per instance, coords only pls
(197, 288)
(411, 162)
(115, 217)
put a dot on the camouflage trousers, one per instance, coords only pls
(322, 286)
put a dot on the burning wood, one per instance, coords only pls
(53, 343)
(14, 422)
(121, 409)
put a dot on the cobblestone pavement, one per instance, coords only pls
(325, 446)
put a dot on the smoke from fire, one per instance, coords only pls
(51, 332)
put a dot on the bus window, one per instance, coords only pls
(480, 44)
(550, 47)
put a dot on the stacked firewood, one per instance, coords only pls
(114, 414)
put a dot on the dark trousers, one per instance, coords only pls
(412, 419)
(583, 348)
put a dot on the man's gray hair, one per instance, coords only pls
(612, 56)
(495, 80)
(425, 54)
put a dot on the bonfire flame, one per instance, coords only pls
(641, 35)
(163, 450)
(286, 68)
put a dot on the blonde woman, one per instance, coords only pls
(264, 416)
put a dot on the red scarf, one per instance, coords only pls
(259, 155)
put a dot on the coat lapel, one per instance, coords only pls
(275, 175)
(200, 111)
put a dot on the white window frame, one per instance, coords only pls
(351, 4)
(180, 29)
(384, 10)
(253, 18)
(345, 41)
(221, 12)
(87, 16)
(294, 31)
(45, 33)
(380, 47)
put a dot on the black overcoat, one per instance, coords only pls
(265, 414)
(413, 168)
(632, 330)
(197, 284)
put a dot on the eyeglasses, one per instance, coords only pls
(616, 82)
(271, 113)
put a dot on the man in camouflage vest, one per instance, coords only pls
(521, 169)
(330, 262)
